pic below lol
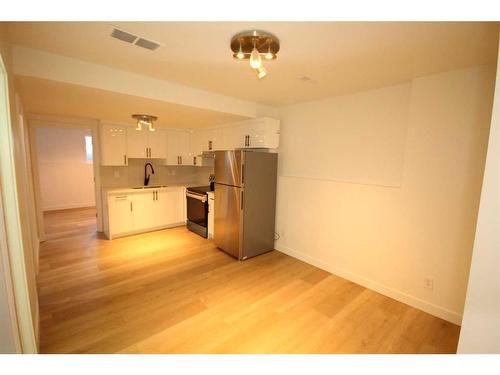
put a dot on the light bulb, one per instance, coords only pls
(269, 54)
(261, 72)
(255, 60)
(240, 55)
(151, 129)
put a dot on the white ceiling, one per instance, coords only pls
(339, 57)
(47, 97)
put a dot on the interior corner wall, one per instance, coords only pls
(414, 201)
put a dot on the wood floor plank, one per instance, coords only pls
(172, 291)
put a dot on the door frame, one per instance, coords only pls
(38, 121)
(11, 223)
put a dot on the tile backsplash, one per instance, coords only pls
(133, 174)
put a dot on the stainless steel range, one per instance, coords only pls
(197, 209)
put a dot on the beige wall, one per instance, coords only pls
(480, 331)
(23, 266)
(66, 177)
(390, 238)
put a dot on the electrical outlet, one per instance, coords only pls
(429, 283)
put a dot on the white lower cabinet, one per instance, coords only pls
(144, 210)
(170, 204)
(120, 218)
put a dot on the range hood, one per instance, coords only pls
(208, 154)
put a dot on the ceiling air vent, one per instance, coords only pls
(144, 43)
(122, 35)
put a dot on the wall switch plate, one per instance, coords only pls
(429, 283)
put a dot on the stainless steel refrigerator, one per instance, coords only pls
(245, 202)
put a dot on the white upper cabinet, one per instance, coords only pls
(203, 140)
(145, 144)
(184, 147)
(261, 133)
(137, 143)
(179, 148)
(113, 145)
(158, 144)
(255, 133)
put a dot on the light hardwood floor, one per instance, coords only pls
(70, 222)
(172, 291)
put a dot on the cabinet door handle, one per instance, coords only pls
(125, 159)
(150, 152)
(242, 197)
(194, 160)
(248, 143)
(242, 174)
(180, 158)
(210, 145)
(156, 195)
(131, 207)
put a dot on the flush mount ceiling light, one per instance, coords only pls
(145, 120)
(252, 45)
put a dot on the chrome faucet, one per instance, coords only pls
(146, 175)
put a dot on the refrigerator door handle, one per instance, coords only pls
(242, 173)
(241, 200)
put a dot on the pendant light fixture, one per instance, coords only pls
(252, 45)
(145, 121)
(261, 72)
(240, 55)
(269, 55)
(255, 60)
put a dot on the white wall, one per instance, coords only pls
(363, 134)
(480, 331)
(66, 178)
(389, 238)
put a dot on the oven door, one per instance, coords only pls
(197, 213)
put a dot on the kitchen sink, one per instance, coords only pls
(150, 187)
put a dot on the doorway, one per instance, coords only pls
(65, 164)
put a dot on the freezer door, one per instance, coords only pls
(228, 219)
(228, 167)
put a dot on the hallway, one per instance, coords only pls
(69, 223)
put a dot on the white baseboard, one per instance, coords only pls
(131, 233)
(69, 206)
(400, 296)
